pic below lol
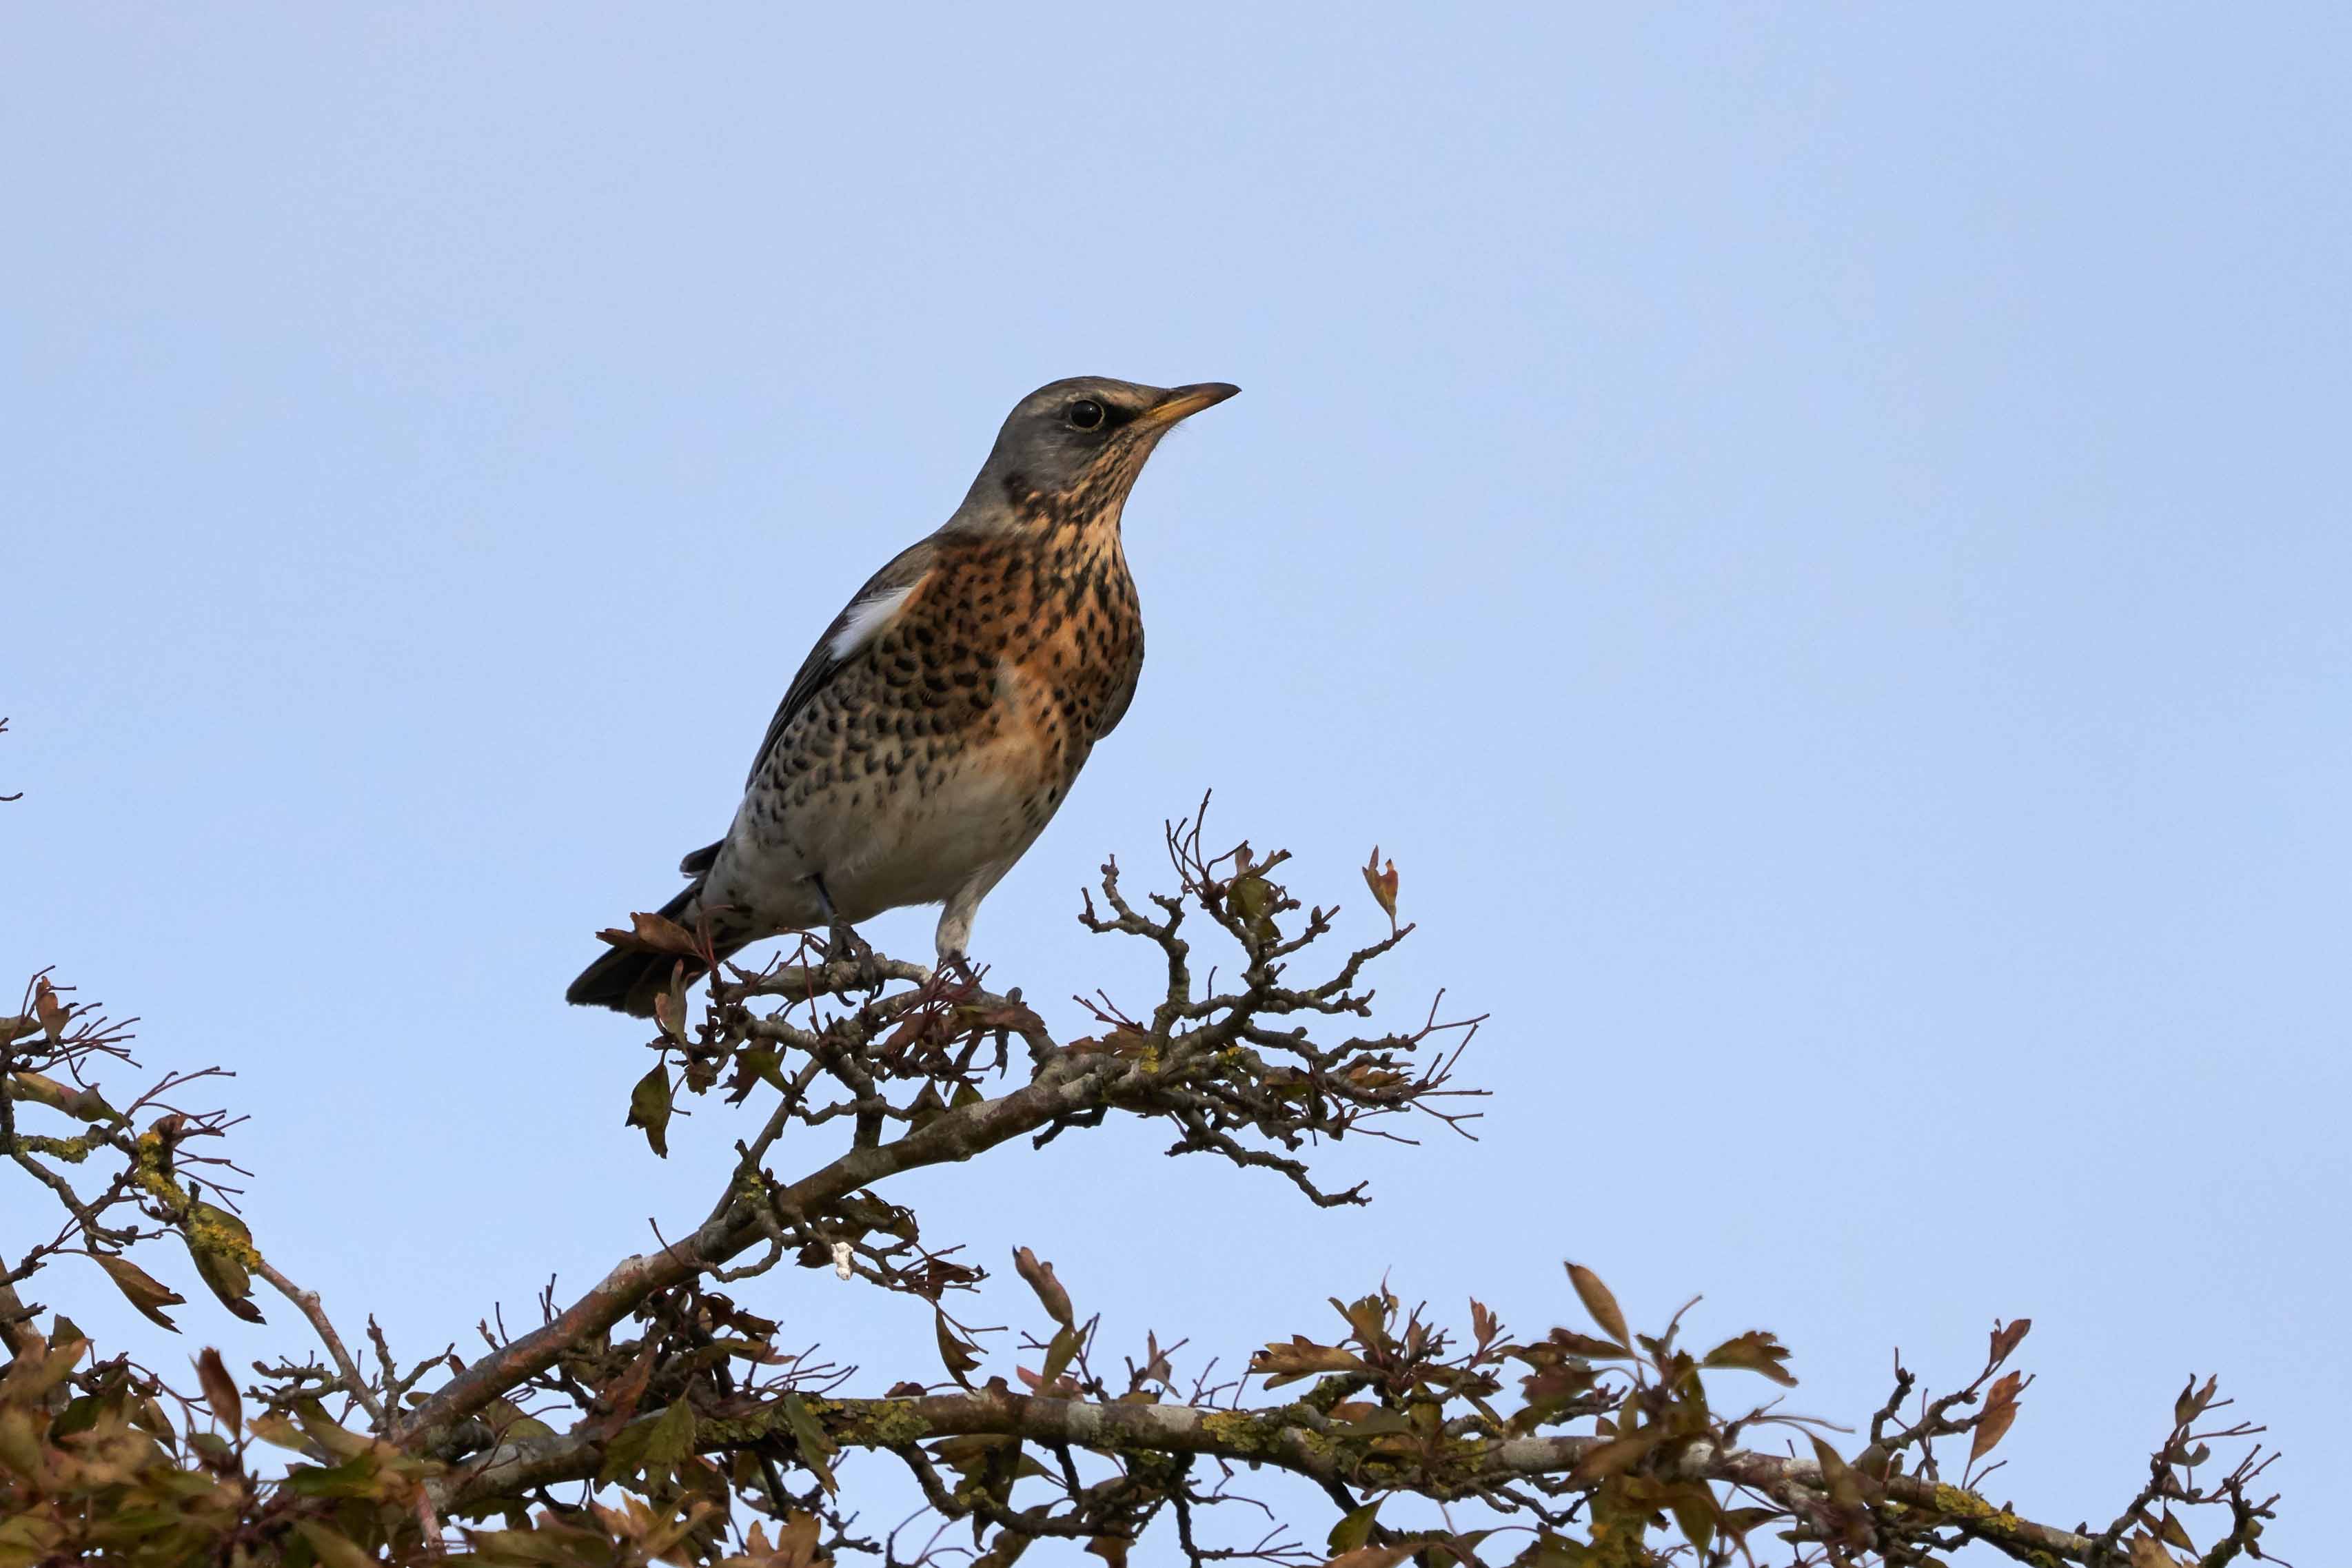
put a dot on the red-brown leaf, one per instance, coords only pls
(220, 1391)
(1999, 1414)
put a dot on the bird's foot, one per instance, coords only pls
(843, 944)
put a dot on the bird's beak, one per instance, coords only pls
(1181, 401)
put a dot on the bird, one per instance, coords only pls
(942, 717)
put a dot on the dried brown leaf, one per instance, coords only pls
(1756, 1350)
(1602, 1305)
(220, 1391)
(53, 1013)
(1050, 1292)
(147, 1294)
(1383, 880)
(1999, 1415)
(2193, 1401)
(661, 935)
(1279, 1363)
(1373, 1557)
(957, 1355)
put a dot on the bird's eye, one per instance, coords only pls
(1086, 414)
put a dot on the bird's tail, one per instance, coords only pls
(627, 979)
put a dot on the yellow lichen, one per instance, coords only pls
(1242, 1432)
(1961, 1504)
(149, 1169)
(73, 1151)
(886, 1425)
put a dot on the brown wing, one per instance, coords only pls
(830, 656)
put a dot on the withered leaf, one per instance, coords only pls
(798, 1542)
(2005, 1341)
(619, 1400)
(669, 1005)
(657, 934)
(1600, 1303)
(1056, 1300)
(1484, 1324)
(1756, 1350)
(220, 1390)
(1845, 1487)
(147, 1294)
(1553, 1385)
(1999, 1414)
(1739, 1521)
(1373, 1556)
(1574, 1343)
(1384, 884)
(53, 1013)
(1279, 1364)
(957, 1355)
(649, 1107)
(2193, 1401)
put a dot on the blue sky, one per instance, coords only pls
(1816, 538)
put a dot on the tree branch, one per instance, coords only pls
(1295, 1438)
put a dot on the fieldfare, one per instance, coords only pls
(941, 718)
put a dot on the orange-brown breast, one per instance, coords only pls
(1024, 647)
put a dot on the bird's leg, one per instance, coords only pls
(953, 975)
(955, 930)
(842, 941)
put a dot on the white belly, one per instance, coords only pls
(876, 850)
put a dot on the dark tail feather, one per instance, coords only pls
(627, 979)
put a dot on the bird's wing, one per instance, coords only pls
(869, 612)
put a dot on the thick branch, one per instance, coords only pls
(1295, 1438)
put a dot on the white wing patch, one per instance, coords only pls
(865, 619)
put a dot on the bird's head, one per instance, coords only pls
(1071, 449)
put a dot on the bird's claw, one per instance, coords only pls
(843, 944)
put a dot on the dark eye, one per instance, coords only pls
(1086, 414)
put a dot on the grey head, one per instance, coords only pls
(1071, 450)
